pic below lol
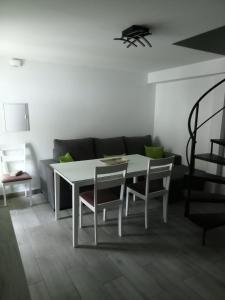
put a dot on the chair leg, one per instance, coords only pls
(95, 227)
(127, 203)
(104, 214)
(80, 213)
(30, 193)
(146, 213)
(4, 195)
(25, 191)
(165, 205)
(120, 220)
(134, 181)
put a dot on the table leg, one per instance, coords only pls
(75, 213)
(57, 194)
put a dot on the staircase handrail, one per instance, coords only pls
(213, 115)
(197, 104)
(195, 108)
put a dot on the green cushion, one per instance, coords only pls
(65, 158)
(154, 152)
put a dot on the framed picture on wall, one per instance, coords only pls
(15, 117)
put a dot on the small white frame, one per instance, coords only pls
(15, 117)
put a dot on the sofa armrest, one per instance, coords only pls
(47, 185)
(47, 180)
(177, 158)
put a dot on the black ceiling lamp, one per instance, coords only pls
(135, 34)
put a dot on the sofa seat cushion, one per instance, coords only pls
(136, 144)
(109, 146)
(80, 149)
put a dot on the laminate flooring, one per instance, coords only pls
(13, 285)
(165, 262)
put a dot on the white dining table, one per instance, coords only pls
(81, 173)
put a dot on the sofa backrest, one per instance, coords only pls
(109, 146)
(80, 149)
(135, 144)
(90, 148)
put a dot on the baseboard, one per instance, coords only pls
(18, 194)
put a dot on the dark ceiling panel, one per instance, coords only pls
(210, 41)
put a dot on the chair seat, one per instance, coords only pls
(6, 178)
(154, 186)
(104, 196)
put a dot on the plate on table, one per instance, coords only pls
(116, 160)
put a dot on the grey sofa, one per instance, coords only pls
(90, 148)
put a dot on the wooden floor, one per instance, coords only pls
(164, 262)
(13, 283)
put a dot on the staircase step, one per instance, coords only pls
(218, 141)
(208, 221)
(199, 196)
(213, 158)
(208, 177)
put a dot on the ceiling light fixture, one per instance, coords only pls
(16, 62)
(135, 34)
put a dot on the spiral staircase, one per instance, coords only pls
(206, 221)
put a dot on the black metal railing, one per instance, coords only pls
(193, 136)
(193, 133)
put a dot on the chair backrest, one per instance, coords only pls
(107, 177)
(12, 157)
(159, 169)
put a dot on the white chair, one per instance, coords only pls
(105, 194)
(157, 184)
(12, 160)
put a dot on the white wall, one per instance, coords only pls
(173, 102)
(202, 69)
(70, 102)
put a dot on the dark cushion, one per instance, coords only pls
(103, 196)
(80, 149)
(154, 185)
(109, 146)
(135, 145)
(6, 178)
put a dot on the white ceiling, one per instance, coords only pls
(81, 31)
